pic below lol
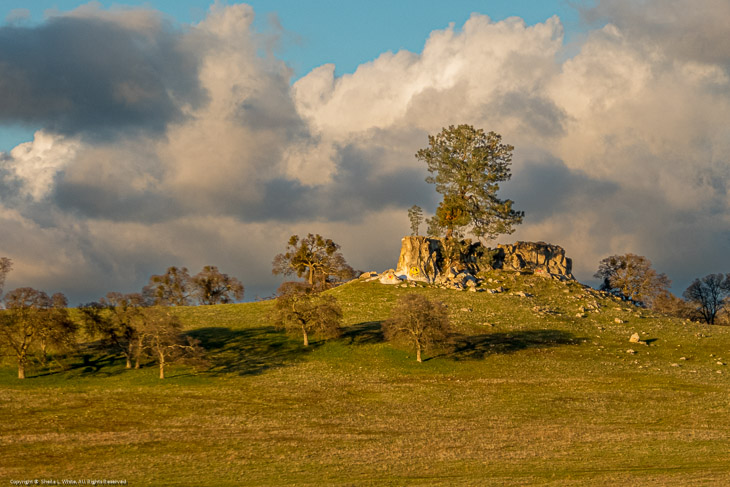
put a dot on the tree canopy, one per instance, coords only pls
(314, 257)
(415, 216)
(173, 288)
(419, 321)
(211, 286)
(34, 322)
(299, 309)
(467, 165)
(632, 277)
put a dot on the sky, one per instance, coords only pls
(136, 136)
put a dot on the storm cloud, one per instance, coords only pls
(161, 144)
(97, 75)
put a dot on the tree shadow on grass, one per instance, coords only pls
(247, 352)
(475, 347)
(92, 359)
(364, 333)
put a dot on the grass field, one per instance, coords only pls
(535, 390)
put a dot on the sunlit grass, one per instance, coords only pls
(527, 393)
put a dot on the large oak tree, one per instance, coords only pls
(315, 258)
(32, 323)
(632, 277)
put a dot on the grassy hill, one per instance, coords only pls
(537, 389)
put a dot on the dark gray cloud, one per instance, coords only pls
(95, 77)
(688, 29)
(548, 187)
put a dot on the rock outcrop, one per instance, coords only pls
(437, 260)
(420, 259)
(534, 256)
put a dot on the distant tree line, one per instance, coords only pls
(138, 326)
(632, 277)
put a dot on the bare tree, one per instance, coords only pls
(632, 277)
(314, 257)
(213, 287)
(165, 340)
(419, 321)
(708, 296)
(30, 325)
(300, 310)
(172, 288)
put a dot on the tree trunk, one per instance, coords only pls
(306, 337)
(21, 369)
(311, 275)
(418, 352)
(129, 362)
(162, 365)
(138, 353)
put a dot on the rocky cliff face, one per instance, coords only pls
(420, 259)
(434, 259)
(534, 256)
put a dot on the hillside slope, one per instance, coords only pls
(537, 387)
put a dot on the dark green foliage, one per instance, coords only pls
(415, 215)
(467, 165)
(314, 257)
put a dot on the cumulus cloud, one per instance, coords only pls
(96, 73)
(188, 145)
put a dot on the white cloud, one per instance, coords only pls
(623, 147)
(37, 163)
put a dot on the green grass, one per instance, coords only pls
(527, 394)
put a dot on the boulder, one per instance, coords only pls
(390, 277)
(539, 257)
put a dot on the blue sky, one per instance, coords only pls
(345, 33)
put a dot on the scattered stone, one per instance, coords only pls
(720, 363)
(465, 310)
(675, 365)
(404, 285)
(523, 294)
(632, 352)
(389, 277)
(580, 315)
(618, 320)
(719, 371)
(682, 358)
(635, 338)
